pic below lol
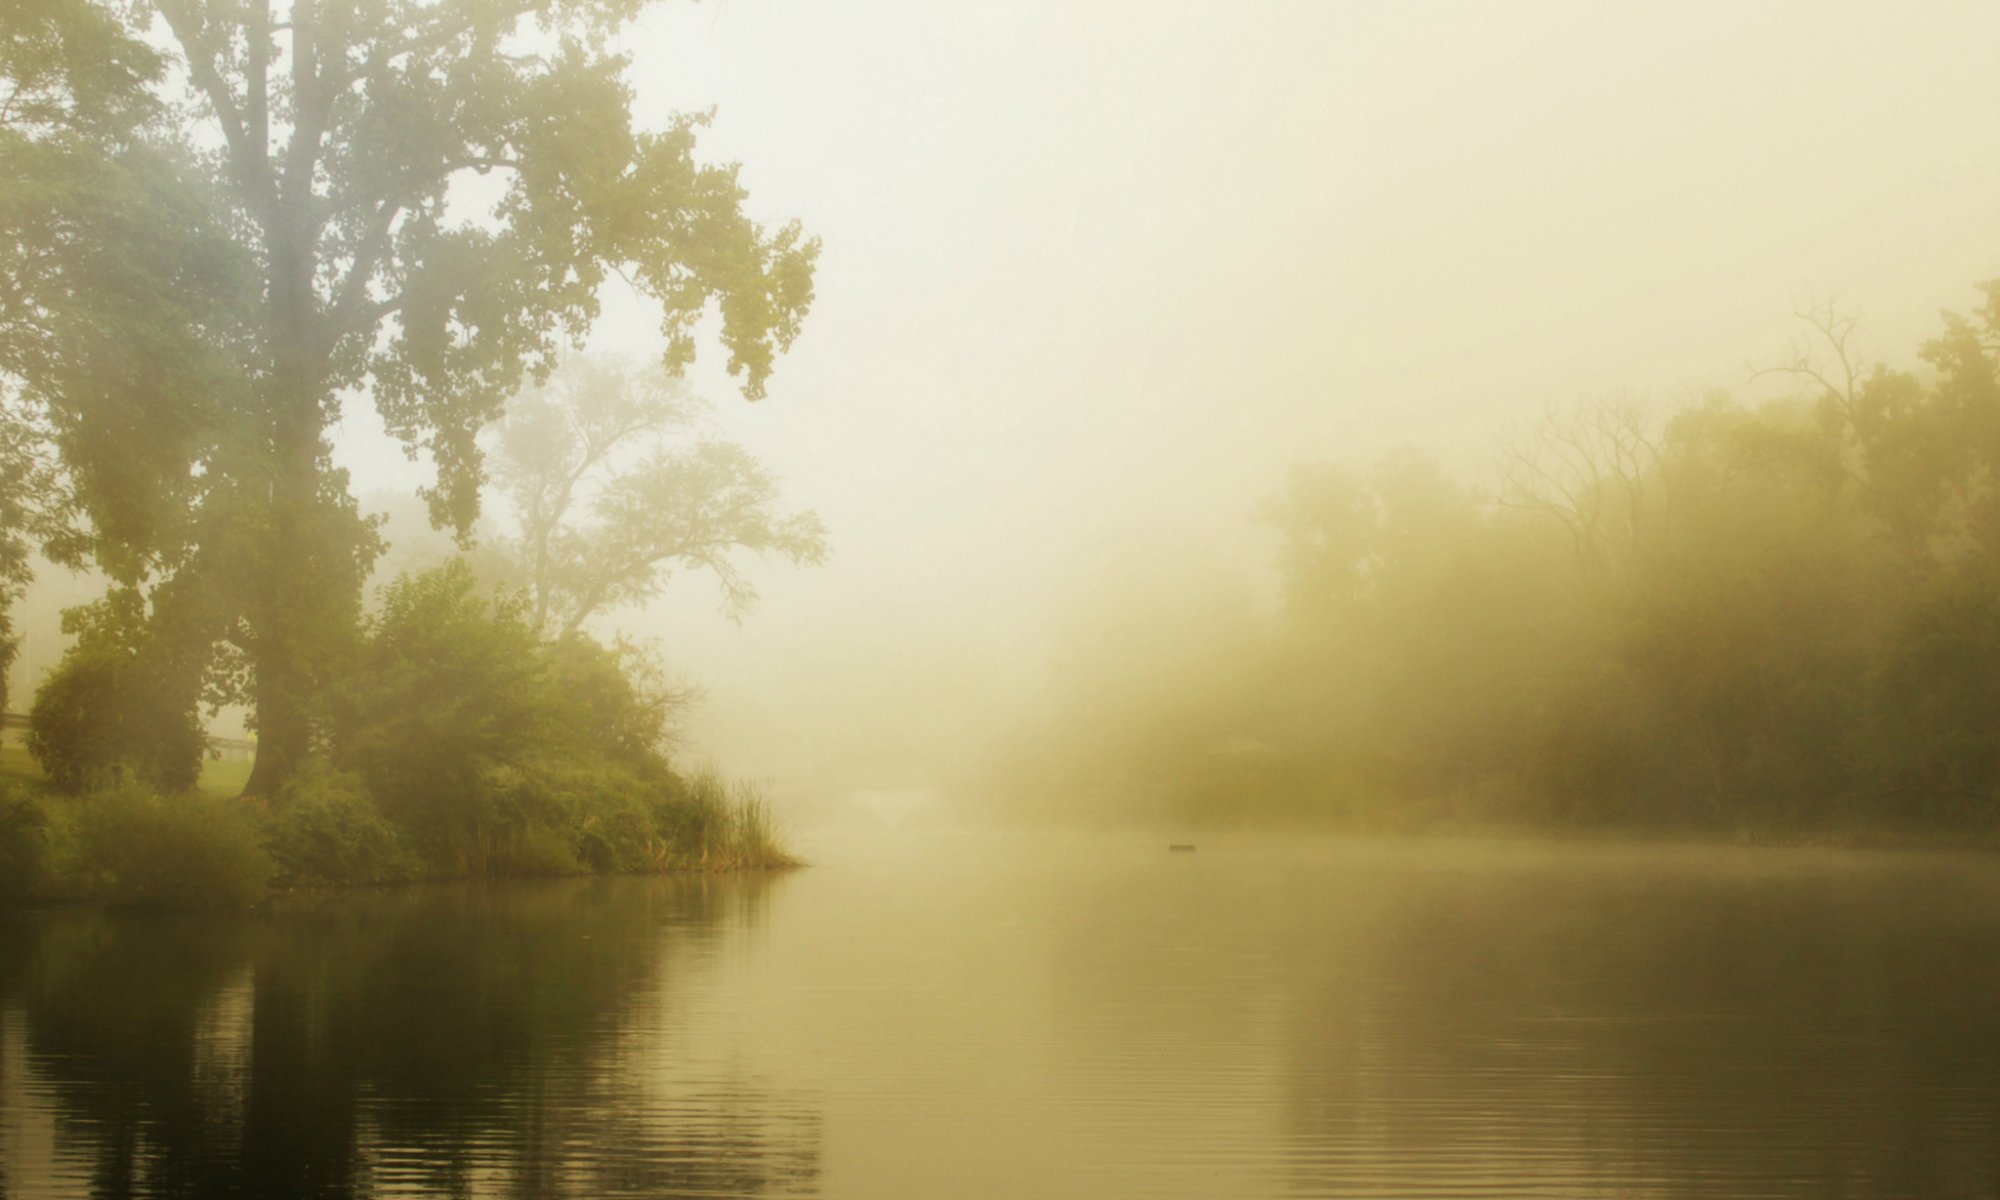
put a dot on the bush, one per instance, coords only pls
(24, 843)
(606, 813)
(182, 852)
(103, 714)
(324, 830)
(532, 852)
(502, 752)
(450, 686)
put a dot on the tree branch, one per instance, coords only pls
(252, 172)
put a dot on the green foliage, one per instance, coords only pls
(24, 848)
(112, 707)
(187, 852)
(325, 831)
(450, 685)
(466, 745)
(502, 753)
(598, 812)
(612, 702)
(190, 289)
(532, 852)
(71, 64)
(18, 482)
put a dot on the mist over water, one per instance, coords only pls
(1097, 277)
(1235, 601)
(990, 1015)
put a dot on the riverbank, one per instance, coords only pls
(127, 846)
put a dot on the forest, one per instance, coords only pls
(1763, 619)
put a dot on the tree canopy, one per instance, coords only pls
(223, 222)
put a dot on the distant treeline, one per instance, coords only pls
(1775, 617)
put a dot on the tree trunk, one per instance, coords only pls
(284, 734)
(290, 614)
(298, 588)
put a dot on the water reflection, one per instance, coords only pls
(510, 1041)
(1038, 1017)
(1655, 1024)
(1374, 1019)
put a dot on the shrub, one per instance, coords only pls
(103, 714)
(182, 852)
(450, 685)
(531, 852)
(24, 845)
(324, 830)
(602, 811)
(493, 746)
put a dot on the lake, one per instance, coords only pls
(969, 1015)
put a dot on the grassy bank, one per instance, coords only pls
(206, 850)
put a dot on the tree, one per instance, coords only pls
(609, 507)
(299, 233)
(1594, 468)
(73, 88)
(20, 478)
(117, 704)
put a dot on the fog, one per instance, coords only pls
(1236, 599)
(1096, 275)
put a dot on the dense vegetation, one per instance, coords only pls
(465, 744)
(1780, 617)
(220, 225)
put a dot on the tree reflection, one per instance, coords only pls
(516, 1040)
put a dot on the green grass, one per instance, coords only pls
(17, 765)
(223, 779)
(218, 779)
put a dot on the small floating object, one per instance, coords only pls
(1182, 847)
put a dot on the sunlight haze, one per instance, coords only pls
(1095, 274)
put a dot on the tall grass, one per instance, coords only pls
(720, 825)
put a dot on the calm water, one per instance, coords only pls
(961, 1016)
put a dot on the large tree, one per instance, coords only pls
(413, 199)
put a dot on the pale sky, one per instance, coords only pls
(1095, 274)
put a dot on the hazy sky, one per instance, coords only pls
(1095, 273)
